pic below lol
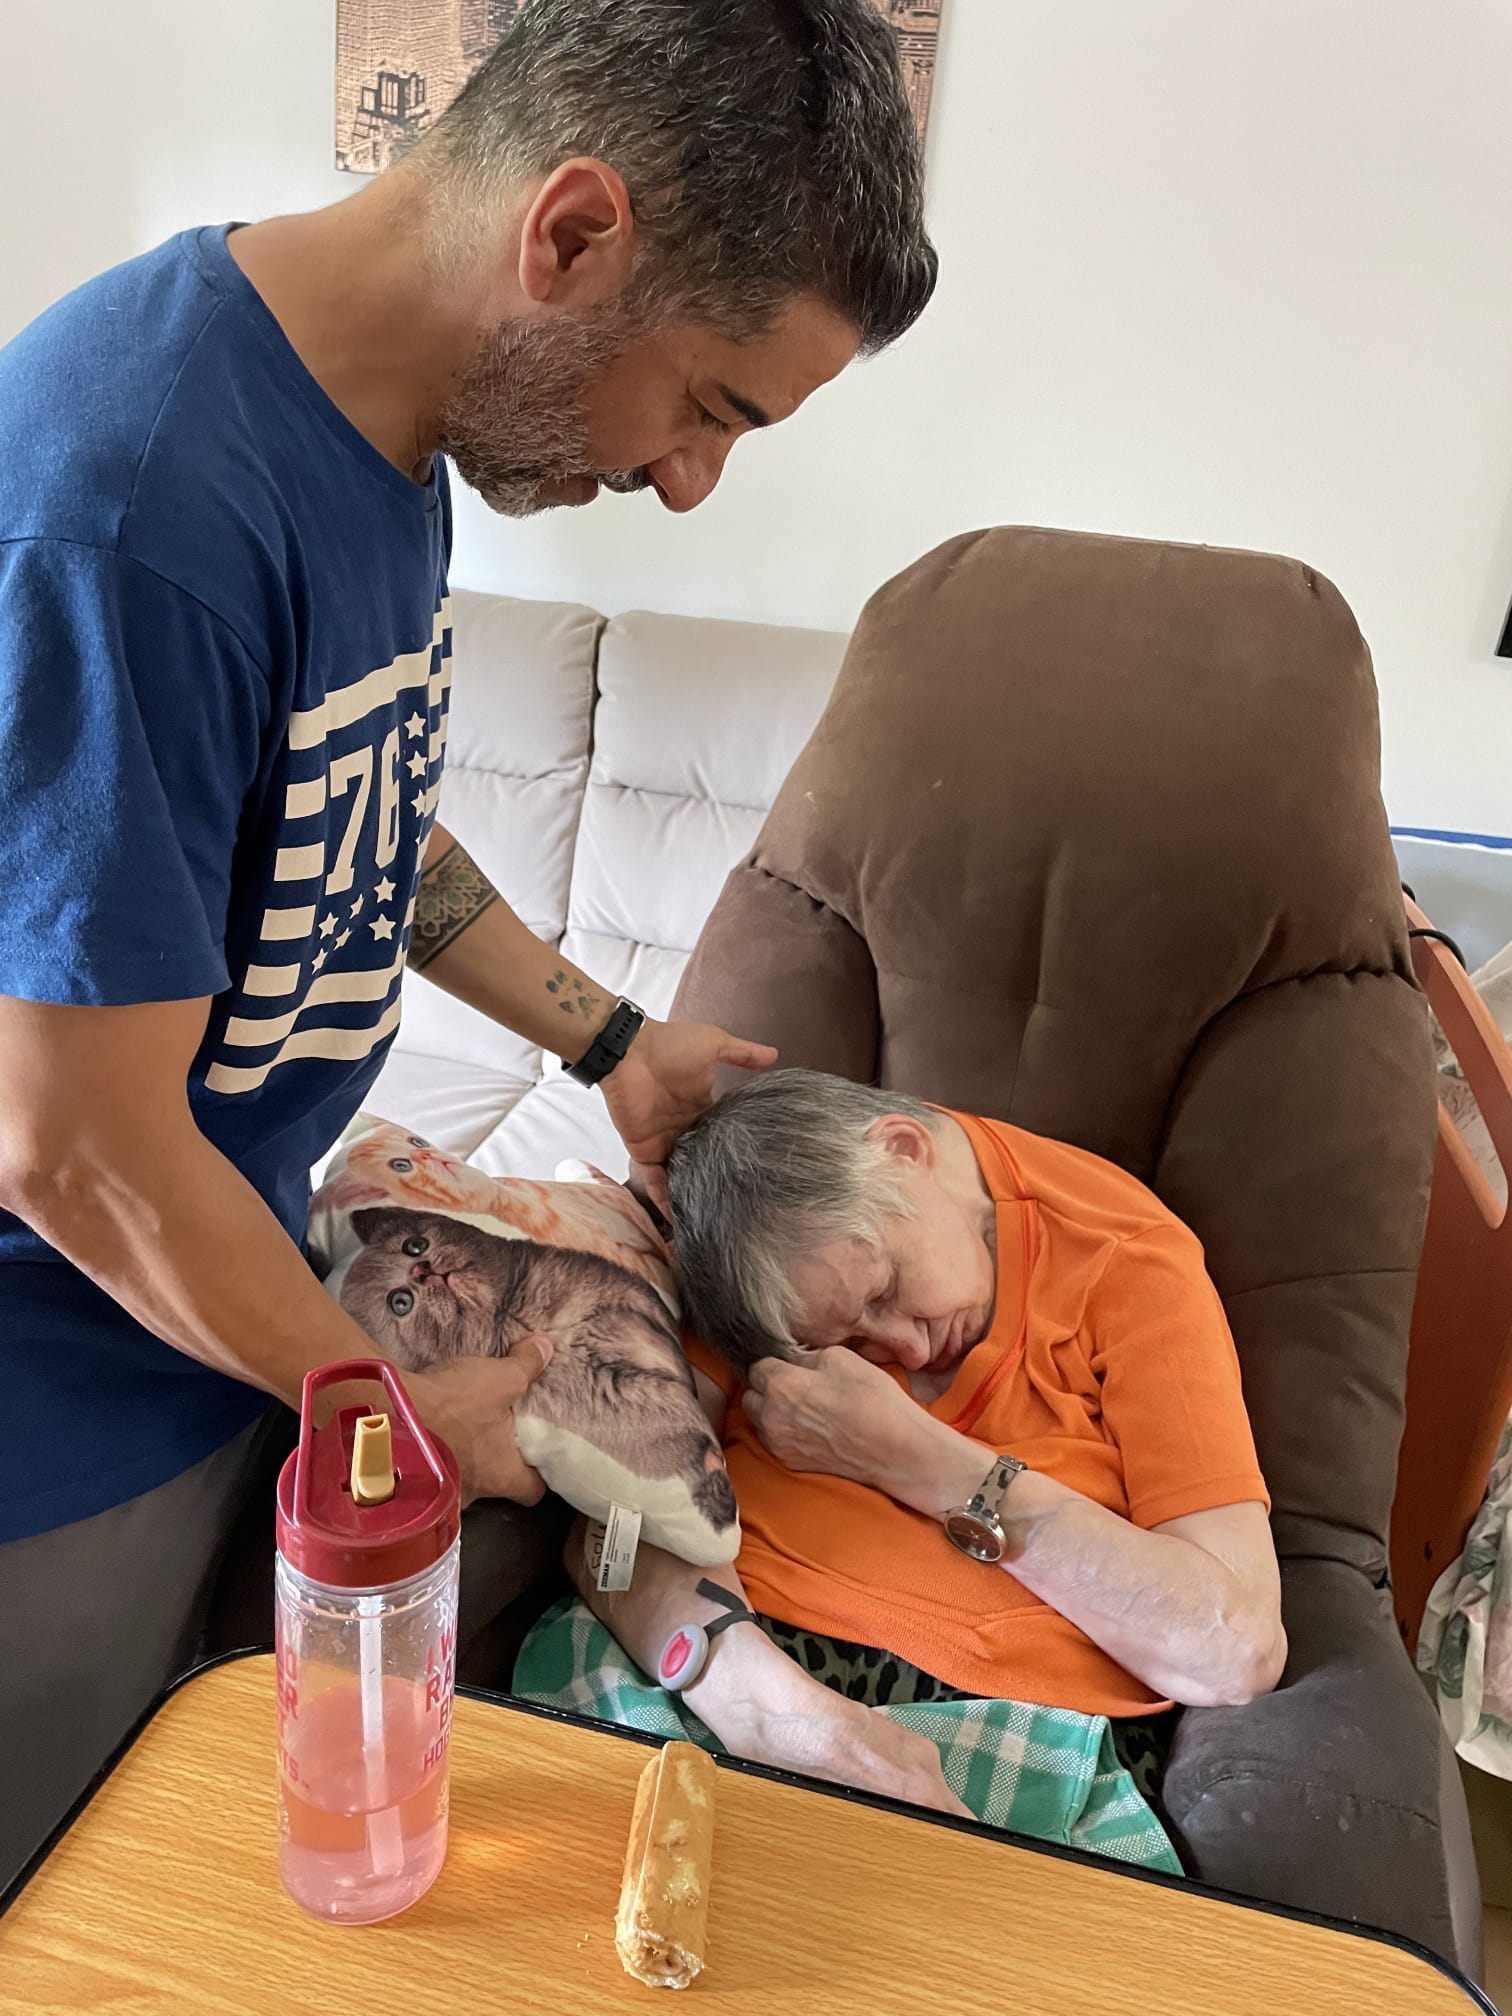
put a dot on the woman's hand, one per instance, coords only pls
(846, 1744)
(839, 1414)
(763, 1706)
(664, 1082)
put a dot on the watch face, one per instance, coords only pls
(974, 1536)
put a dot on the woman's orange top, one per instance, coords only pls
(1109, 1366)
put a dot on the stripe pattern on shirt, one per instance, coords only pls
(363, 774)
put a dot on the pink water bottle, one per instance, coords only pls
(366, 1623)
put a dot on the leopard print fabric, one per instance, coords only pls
(859, 1672)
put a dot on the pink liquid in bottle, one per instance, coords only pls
(362, 1838)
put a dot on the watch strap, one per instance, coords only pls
(994, 1486)
(608, 1048)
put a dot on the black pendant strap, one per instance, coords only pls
(728, 1601)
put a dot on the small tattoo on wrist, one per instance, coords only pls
(576, 997)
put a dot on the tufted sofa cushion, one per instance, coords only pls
(605, 777)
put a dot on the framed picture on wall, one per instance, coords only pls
(399, 64)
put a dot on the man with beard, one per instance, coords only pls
(646, 227)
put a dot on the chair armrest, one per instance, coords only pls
(1459, 1374)
(1330, 1794)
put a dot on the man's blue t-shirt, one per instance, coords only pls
(224, 671)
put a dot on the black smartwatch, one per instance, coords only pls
(609, 1046)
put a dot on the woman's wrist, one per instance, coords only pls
(942, 1468)
(947, 1469)
(753, 1696)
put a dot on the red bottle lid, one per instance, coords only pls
(324, 1532)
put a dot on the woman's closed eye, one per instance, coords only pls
(881, 1303)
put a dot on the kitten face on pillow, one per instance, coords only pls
(429, 1175)
(601, 1216)
(427, 1289)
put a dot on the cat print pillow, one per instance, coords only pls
(437, 1260)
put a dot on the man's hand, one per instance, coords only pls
(841, 1415)
(469, 941)
(663, 1084)
(470, 1403)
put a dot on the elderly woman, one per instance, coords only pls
(983, 1416)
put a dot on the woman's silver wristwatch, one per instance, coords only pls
(977, 1527)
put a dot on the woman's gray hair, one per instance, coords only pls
(779, 1168)
(768, 148)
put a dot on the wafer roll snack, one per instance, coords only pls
(663, 1917)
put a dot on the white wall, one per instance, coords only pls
(1238, 272)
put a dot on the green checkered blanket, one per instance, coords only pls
(1044, 1772)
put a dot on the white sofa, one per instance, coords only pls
(606, 775)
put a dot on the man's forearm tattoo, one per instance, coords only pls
(574, 996)
(452, 895)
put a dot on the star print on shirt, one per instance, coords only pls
(347, 850)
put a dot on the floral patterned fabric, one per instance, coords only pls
(1465, 1647)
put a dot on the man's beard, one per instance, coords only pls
(517, 422)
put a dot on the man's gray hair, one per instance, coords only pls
(774, 1171)
(767, 145)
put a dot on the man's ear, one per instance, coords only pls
(577, 241)
(905, 1139)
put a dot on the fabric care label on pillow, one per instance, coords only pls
(613, 1550)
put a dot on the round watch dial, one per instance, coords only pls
(974, 1536)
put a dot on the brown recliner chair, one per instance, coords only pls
(1090, 839)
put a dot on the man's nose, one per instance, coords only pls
(687, 476)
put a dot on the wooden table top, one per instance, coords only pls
(164, 1897)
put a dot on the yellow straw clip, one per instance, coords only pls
(373, 1461)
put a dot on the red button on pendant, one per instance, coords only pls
(683, 1657)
